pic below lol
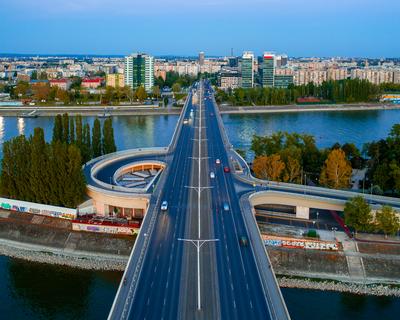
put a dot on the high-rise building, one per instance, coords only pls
(247, 69)
(268, 70)
(201, 58)
(139, 71)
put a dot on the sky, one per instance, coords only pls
(352, 28)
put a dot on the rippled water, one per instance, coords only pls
(36, 291)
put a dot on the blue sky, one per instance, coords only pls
(360, 28)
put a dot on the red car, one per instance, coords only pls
(227, 170)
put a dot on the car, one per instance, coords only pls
(212, 175)
(164, 206)
(226, 206)
(218, 161)
(227, 170)
(243, 241)
(185, 121)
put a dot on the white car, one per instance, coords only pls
(164, 206)
(212, 175)
(218, 161)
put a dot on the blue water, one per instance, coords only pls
(327, 127)
(37, 291)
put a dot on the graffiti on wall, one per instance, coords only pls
(33, 210)
(284, 242)
(104, 229)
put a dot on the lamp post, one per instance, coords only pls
(334, 230)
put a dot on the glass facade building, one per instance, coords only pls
(268, 70)
(247, 70)
(139, 71)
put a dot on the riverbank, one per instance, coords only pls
(51, 240)
(375, 289)
(305, 108)
(88, 110)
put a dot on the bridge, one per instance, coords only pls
(203, 258)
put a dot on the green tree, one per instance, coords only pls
(79, 131)
(71, 130)
(156, 91)
(108, 137)
(75, 190)
(387, 220)
(22, 89)
(65, 125)
(176, 88)
(357, 214)
(39, 167)
(58, 129)
(87, 151)
(96, 139)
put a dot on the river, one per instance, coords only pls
(36, 291)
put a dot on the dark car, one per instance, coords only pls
(243, 241)
(227, 170)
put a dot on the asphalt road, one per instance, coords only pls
(229, 279)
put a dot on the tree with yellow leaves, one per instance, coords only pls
(269, 167)
(336, 172)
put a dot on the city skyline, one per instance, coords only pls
(178, 28)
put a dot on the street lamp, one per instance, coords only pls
(334, 230)
(317, 215)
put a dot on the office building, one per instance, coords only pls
(247, 70)
(229, 78)
(115, 80)
(201, 58)
(139, 71)
(268, 70)
(283, 80)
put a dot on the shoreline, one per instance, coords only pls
(307, 108)
(371, 289)
(144, 111)
(73, 259)
(106, 262)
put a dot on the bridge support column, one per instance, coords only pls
(302, 212)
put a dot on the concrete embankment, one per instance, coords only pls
(51, 240)
(87, 111)
(305, 108)
(321, 270)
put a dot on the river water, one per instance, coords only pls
(36, 291)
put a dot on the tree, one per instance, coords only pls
(357, 214)
(58, 129)
(65, 130)
(108, 137)
(76, 187)
(269, 167)
(79, 131)
(87, 152)
(156, 91)
(176, 88)
(387, 220)
(141, 94)
(336, 172)
(39, 167)
(22, 89)
(128, 93)
(96, 139)
(71, 130)
(41, 92)
(292, 170)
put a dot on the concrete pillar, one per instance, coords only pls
(302, 212)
